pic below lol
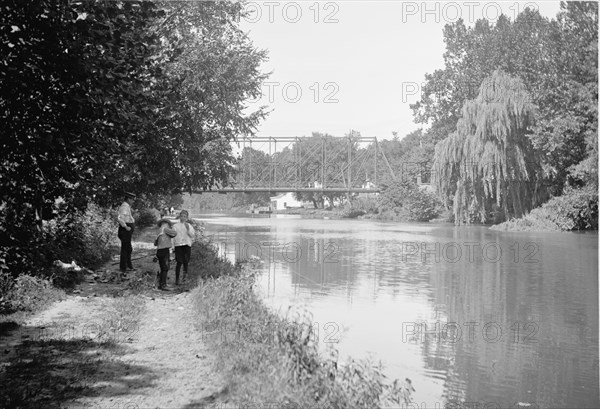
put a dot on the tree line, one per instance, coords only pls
(521, 95)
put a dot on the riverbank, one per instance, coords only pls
(274, 361)
(117, 341)
(347, 213)
(313, 213)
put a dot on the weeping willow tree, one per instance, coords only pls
(488, 164)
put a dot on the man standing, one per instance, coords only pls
(126, 221)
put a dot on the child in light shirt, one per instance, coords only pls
(183, 244)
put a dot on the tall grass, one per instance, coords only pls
(273, 360)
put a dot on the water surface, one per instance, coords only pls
(467, 313)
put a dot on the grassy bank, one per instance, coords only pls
(276, 361)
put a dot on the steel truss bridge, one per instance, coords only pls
(350, 164)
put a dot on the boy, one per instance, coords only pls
(163, 244)
(183, 245)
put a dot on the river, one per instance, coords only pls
(467, 313)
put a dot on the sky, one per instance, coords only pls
(354, 65)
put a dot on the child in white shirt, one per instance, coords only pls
(183, 244)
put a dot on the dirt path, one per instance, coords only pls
(95, 350)
(168, 342)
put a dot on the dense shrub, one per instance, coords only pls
(205, 257)
(207, 262)
(85, 237)
(360, 207)
(579, 205)
(576, 209)
(406, 201)
(351, 213)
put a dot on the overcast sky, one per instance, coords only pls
(344, 65)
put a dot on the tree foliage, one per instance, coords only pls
(406, 201)
(567, 129)
(490, 159)
(215, 72)
(557, 62)
(98, 97)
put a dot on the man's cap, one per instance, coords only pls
(165, 220)
(129, 195)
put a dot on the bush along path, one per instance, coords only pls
(112, 342)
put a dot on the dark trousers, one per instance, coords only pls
(182, 256)
(163, 262)
(126, 249)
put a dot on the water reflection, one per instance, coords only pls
(471, 315)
